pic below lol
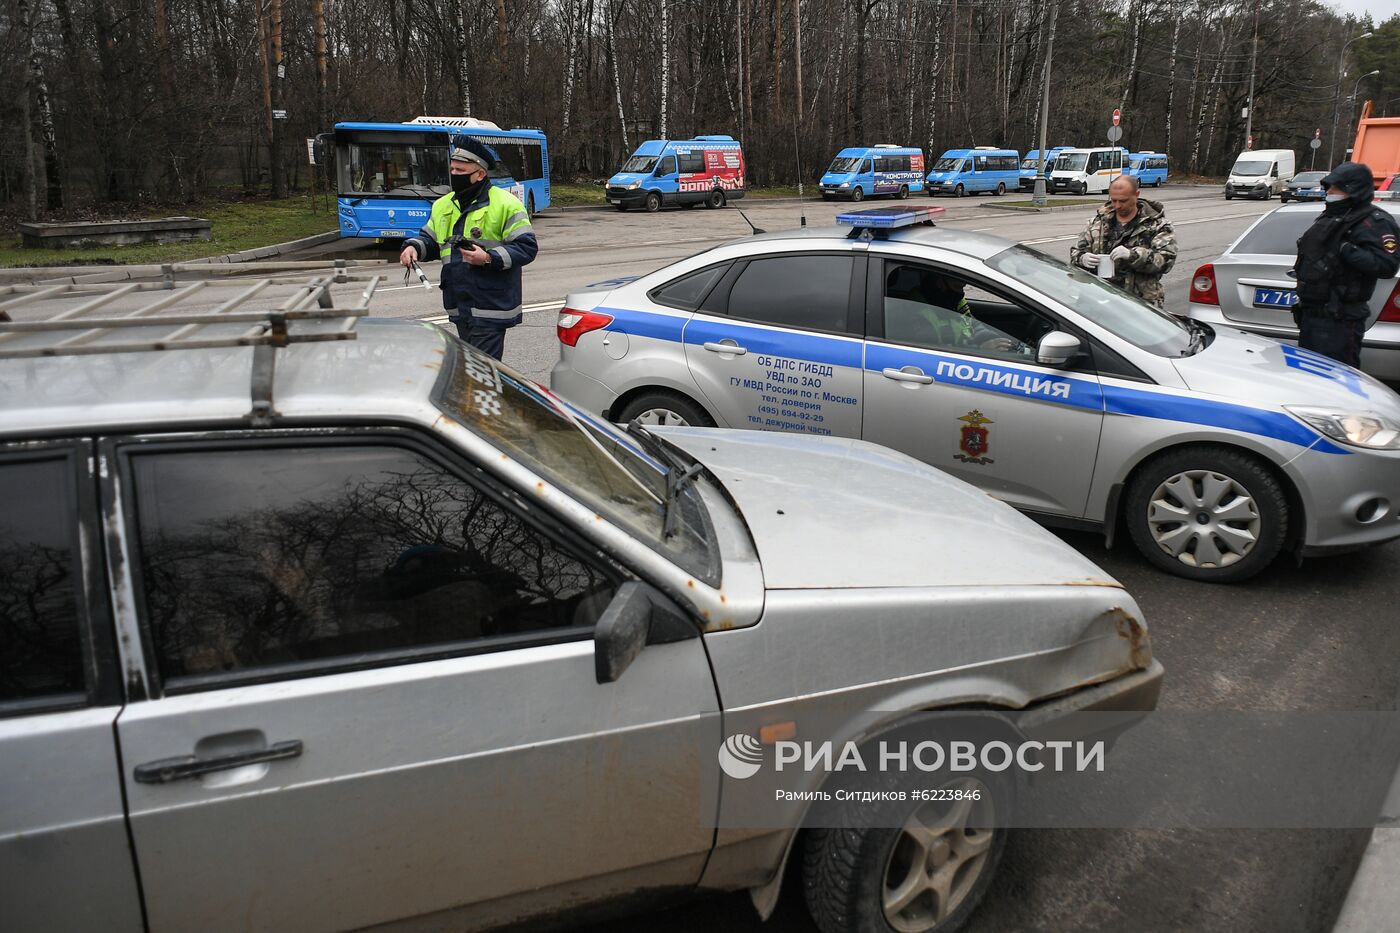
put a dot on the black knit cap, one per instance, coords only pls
(1353, 178)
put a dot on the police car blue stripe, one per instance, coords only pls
(983, 375)
(1122, 400)
(816, 348)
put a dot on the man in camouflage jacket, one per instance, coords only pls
(1136, 234)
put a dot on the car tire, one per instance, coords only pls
(847, 869)
(903, 192)
(622, 208)
(959, 192)
(1001, 189)
(1282, 198)
(1229, 194)
(1201, 486)
(715, 200)
(653, 202)
(663, 408)
(857, 194)
(1082, 188)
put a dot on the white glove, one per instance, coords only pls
(1120, 254)
(1090, 261)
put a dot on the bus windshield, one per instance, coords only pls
(639, 164)
(1071, 161)
(384, 168)
(840, 166)
(948, 165)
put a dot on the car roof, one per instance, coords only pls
(977, 245)
(388, 372)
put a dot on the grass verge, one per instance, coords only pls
(238, 225)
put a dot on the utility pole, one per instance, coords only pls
(1038, 192)
(1249, 101)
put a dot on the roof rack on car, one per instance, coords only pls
(307, 315)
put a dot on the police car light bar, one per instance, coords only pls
(888, 218)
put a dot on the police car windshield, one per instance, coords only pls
(639, 164)
(1114, 310)
(607, 472)
(1072, 161)
(947, 165)
(840, 166)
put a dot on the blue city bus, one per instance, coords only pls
(860, 171)
(1149, 167)
(389, 174)
(968, 171)
(1031, 164)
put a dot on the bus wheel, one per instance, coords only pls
(959, 191)
(903, 192)
(857, 193)
(1001, 189)
(716, 199)
(530, 207)
(653, 203)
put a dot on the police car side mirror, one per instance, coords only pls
(1056, 348)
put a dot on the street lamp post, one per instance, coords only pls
(1351, 101)
(1337, 93)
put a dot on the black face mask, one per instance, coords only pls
(467, 190)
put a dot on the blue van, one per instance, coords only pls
(705, 170)
(982, 168)
(866, 170)
(1149, 167)
(1031, 164)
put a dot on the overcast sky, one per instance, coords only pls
(1380, 10)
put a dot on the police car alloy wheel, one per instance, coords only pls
(1207, 514)
(664, 409)
(927, 876)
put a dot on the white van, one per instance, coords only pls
(1259, 173)
(1082, 171)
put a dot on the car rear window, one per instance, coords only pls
(1277, 233)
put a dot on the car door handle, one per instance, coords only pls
(905, 375)
(167, 770)
(726, 347)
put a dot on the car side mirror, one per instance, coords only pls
(1056, 348)
(637, 616)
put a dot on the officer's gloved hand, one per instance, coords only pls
(1090, 261)
(1120, 254)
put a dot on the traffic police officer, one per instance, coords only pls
(487, 234)
(1347, 249)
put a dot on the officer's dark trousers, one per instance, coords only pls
(1337, 338)
(486, 336)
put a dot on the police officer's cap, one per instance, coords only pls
(1353, 178)
(475, 152)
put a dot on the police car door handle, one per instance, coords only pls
(726, 346)
(908, 374)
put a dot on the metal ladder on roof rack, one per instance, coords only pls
(75, 332)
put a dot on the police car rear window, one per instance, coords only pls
(688, 291)
(1277, 233)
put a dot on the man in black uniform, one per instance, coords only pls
(1347, 249)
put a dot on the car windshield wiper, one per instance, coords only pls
(679, 474)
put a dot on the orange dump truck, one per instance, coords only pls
(1377, 144)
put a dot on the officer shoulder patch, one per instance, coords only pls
(1388, 242)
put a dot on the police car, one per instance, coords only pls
(1051, 390)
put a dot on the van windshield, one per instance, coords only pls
(1250, 167)
(1071, 161)
(1113, 309)
(639, 164)
(840, 166)
(948, 165)
(1032, 162)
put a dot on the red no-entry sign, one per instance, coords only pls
(1117, 115)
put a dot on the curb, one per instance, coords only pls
(1048, 209)
(90, 274)
(1373, 900)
